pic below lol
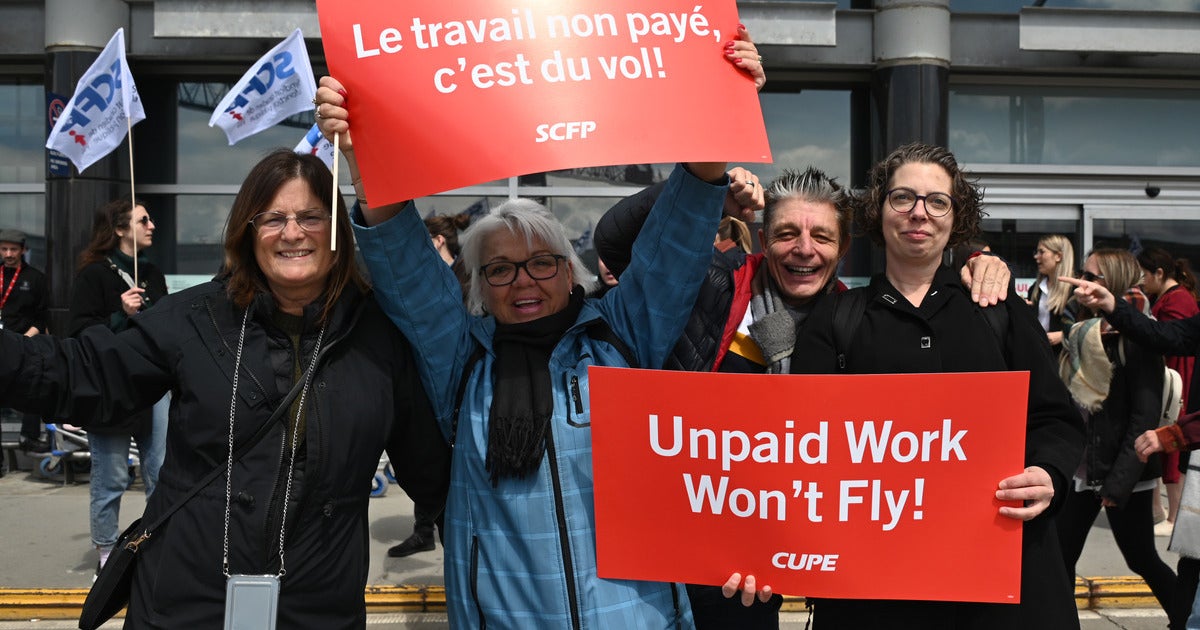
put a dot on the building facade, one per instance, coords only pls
(1080, 117)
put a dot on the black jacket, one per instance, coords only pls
(365, 395)
(28, 303)
(698, 346)
(1131, 408)
(888, 341)
(1180, 337)
(96, 301)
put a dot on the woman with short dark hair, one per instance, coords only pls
(917, 318)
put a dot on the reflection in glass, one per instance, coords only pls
(809, 128)
(1077, 126)
(1180, 237)
(204, 155)
(22, 134)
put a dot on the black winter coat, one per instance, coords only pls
(698, 346)
(1132, 408)
(96, 301)
(1180, 337)
(888, 341)
(365, 395)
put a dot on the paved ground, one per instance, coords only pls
(45, 525)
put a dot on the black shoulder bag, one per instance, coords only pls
(110, 592)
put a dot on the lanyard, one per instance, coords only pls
(16, 274)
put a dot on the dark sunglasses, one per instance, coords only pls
(1090, 277)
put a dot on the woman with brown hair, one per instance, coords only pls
(115, 282)
(289, 383)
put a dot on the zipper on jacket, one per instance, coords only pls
(563, 534)
(575, 394)
(475, 582)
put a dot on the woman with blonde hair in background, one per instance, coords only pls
(1118, 383)
(1056, 311)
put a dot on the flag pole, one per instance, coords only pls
(333, 205)
(132, 199)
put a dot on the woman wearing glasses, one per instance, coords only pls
(508, 377)
(289, 382)
(105, 293)
(1119, 384)
(918, 318)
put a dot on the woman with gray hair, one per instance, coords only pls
(508, 374)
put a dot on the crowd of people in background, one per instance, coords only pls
(463, 331)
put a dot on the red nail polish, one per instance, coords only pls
(729, 44)
(738, 61)
(342, 91)
(741, 26)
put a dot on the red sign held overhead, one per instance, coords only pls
(449, 94)
(864, 486)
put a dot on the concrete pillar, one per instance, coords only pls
(76, 32)
(909, 86)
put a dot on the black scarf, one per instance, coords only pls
(523, 400)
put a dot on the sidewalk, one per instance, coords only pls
(48, 559)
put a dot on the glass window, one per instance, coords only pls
(1075, 126)
(23, 135)
(1180, 237)
(27, 212)
(200, 232)
(1012, 6)
(809, 128)
(1015, 240)
(204, 155)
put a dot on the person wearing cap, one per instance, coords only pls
(24, 308)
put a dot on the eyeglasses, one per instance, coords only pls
(504, 273)
(1090, 277)
(144, 220)
(274, 221)
(903, 200)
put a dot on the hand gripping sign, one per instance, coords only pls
(808, 484)
(449, 94)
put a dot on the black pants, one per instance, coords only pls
(1133, 529)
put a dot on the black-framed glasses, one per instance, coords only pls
(1090, 277)
(504, 273)
(903, 200)
(273, 221)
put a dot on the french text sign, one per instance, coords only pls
(862, 486)
(449, 94)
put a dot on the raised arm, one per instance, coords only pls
(1178, 337)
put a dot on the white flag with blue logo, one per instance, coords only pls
(314, 143)
(104, 106)
(278, 85)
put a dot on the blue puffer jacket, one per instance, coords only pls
(523, 554)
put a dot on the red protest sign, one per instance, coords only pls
(449, 94)
(864, 486)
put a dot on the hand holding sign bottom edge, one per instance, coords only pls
(748, 589)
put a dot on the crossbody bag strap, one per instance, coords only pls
(242, 450)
